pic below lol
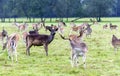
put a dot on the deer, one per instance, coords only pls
(105, 26)
(61, 25)
(78, 48)
(21, 27)
(88, 30)
(24, 34)
(77, 28)
(39, 25)
(113, 26)
(115, 43)
(3, 35)
(50, 27)
(40, 40)
(72, 24)
(93, 21)
(11, 45)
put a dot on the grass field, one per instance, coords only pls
(101, 60)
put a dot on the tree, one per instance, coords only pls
(98, 8)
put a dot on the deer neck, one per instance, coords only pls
(51, 37)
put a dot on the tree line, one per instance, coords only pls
(58, 8)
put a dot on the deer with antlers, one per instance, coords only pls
(78, 48)
(40, 40)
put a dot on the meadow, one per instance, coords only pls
(101, 60)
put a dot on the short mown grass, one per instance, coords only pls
(101, 60)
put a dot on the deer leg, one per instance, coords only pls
(74, 60)
(28, 50)
(16, 55)
(84, 58)
(72, 55)
(46, 49)
(115, 50)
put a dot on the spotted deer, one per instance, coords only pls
(78, 48)
(11, 45)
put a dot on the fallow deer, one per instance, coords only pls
(78, 48)
(40, 40)
(88, 30)
(21, 27)
(61, 25)
(77, 28)
(105, 26)
(115, 43)
(113, 26)
(11, 45)
(39, 25)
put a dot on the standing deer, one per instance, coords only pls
(88, 30)
(40, 40)
(39, 25)
(115, 43)
(105, 26)
(11, 45)
(61, 25)
(78, 48)
(113, 26)
(77, 28)
(21, 27)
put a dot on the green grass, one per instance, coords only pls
(101, 60)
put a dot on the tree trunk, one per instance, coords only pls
(67, 19)
(14, 19)
(50, 19)
(33, 19)
(29, 19)
(9, 20)
(98, 19)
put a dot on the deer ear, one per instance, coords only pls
(50, 29)
(56, 29)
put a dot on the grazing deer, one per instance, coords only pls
(115, 43)
(105, 26)
(113, 26)
(11, 46)
(78, 48)
(40, 40)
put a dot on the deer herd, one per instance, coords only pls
(34, 38)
